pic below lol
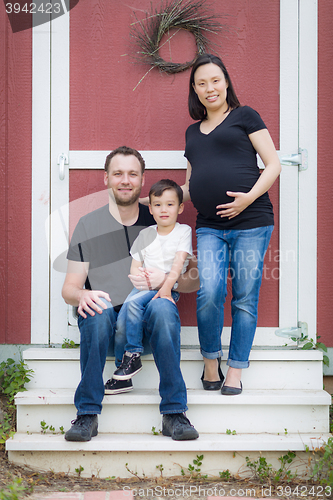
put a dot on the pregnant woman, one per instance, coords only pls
(235, 216)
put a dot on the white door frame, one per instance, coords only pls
(298, 201)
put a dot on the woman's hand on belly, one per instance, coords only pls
(240, 203)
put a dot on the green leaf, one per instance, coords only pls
(307, 346)
(322, 346)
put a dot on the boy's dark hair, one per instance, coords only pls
(159, 187)
(126, 151)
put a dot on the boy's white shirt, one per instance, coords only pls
(159, 251)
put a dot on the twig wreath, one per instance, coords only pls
(192, 16)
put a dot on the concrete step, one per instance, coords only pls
(264, 337)
(270, 369)
(254, 411)
(116, 455)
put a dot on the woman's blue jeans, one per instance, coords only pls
(105, 334)
(243, 252)
(134, 308)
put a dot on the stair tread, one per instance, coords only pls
(194, 396)
(282, 354)
(150, 442)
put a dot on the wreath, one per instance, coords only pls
(193, 17)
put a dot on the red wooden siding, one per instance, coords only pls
(268, 306)
(325, 174)
(106, 112)
(15, 183)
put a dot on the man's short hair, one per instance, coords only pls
(124, 150)
(159, 187)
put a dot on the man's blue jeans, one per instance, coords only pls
(243, 252)
(104, 334)
(134, 308)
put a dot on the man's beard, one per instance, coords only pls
(127, 202)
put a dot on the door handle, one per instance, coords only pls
(62, 161)
(300, 159)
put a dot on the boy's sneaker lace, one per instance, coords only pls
(178, 427)
(83, 429)
(113, 386)
(130, 365)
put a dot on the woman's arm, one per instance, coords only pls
(263, 144)
(185, 187)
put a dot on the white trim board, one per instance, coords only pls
(41, 85)
(155, 160)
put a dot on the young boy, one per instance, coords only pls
(165, 246)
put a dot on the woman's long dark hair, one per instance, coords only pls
(196, 109)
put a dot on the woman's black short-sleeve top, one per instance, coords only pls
(225, 160)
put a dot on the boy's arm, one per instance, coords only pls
(176, 269)
(136, 264)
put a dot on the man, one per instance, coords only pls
(97, 283)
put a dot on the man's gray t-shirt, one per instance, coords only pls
(105, 243)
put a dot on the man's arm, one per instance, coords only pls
(87, 301)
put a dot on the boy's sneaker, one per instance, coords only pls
(130, 365)
(83, 428)
(178, 427)
(113, 386)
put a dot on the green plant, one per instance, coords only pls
(265, 472)
(79, 469)
(225, 475)
(69, 344)
(309, 343)
(14, 491)
(50, 428)
(160, 468)
(155, 432)
(229, 431)
(6, 428)
(195, 469)
(283, 473)
(135, 473)
(13, 377)
(260, 468)
(322, 470)
(286, 431)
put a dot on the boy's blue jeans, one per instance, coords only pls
(243, 252)
(100, 337)
(134, 308)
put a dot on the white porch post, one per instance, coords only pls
(41, 133)
(308, 92)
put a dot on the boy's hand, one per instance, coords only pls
(164, 293)
(147, 279)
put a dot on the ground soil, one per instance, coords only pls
(170, 488)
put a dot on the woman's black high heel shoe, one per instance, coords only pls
(213, 386)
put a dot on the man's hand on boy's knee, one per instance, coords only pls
(90, 302)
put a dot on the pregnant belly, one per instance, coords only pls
(208, 191)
